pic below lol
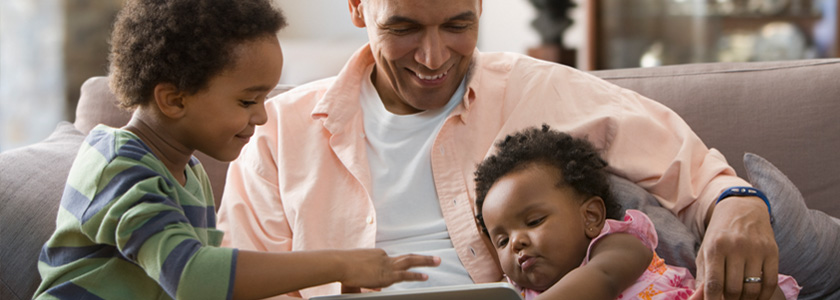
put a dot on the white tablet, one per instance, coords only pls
(479, 291)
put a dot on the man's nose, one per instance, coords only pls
(433, 52)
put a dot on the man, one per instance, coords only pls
(383, 154)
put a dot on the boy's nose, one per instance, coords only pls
(260, 116)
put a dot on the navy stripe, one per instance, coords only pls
(118, 185)
(71, 291)
(74, 201)
(103, 142)
(173, 266)
(233, 259)
(134, 149)
(154, 225)
(200, 216)
(58, 256)
(193, 162)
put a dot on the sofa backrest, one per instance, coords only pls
(786, 112)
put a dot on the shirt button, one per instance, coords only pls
(369, 220)
(472, 251)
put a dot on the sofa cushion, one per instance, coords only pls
(98, 105)
(808, 239)
(785, 111)
(31, 185)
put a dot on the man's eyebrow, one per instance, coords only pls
(464, 16)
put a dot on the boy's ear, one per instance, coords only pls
(169, 100)
(594, 215)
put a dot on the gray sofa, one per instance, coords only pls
(786, 112)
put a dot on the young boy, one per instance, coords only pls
(137, 219)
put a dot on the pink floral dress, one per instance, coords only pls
(659, 281)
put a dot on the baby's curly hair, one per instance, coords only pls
(576, 160)
(182, 42)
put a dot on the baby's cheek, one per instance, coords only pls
(506, 262)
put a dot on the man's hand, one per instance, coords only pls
(739, 244)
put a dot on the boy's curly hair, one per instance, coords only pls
(576, 160)
(182, 42)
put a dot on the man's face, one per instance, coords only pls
(422, 49)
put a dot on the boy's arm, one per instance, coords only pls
(264, 274)
(616, 262)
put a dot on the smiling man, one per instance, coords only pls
(383, 154)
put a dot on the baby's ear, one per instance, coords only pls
(169, 100)
(594, 214)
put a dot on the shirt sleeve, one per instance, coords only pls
(148, 228)
(653, 146)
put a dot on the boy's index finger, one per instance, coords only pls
(407, 261)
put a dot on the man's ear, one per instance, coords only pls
(169, 100)
(594, 215)
(356, 13)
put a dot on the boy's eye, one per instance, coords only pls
(247, 103)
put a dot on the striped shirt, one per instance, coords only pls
(127, 230)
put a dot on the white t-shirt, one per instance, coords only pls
(408, 213)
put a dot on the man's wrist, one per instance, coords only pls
(745, 191)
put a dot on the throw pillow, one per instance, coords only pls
(808, 239)
(677, 245)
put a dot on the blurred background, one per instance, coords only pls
(48, 48)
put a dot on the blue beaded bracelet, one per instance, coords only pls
(746, 191)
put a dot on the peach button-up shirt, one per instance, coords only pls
(303, 182)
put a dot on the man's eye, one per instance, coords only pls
(247, 103)
(400, 30)
(458, 27)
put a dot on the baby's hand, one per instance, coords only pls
(372, 268)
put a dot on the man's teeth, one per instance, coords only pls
(430, 77)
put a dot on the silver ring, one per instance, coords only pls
(752, 280)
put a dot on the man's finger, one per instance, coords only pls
(752, 270)
(713, 276)
(770, 278)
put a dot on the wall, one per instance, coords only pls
(31, 81)
(320, 37)
(40, 73)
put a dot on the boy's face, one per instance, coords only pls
(222, 118)
(539, 229)
(422, 49)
